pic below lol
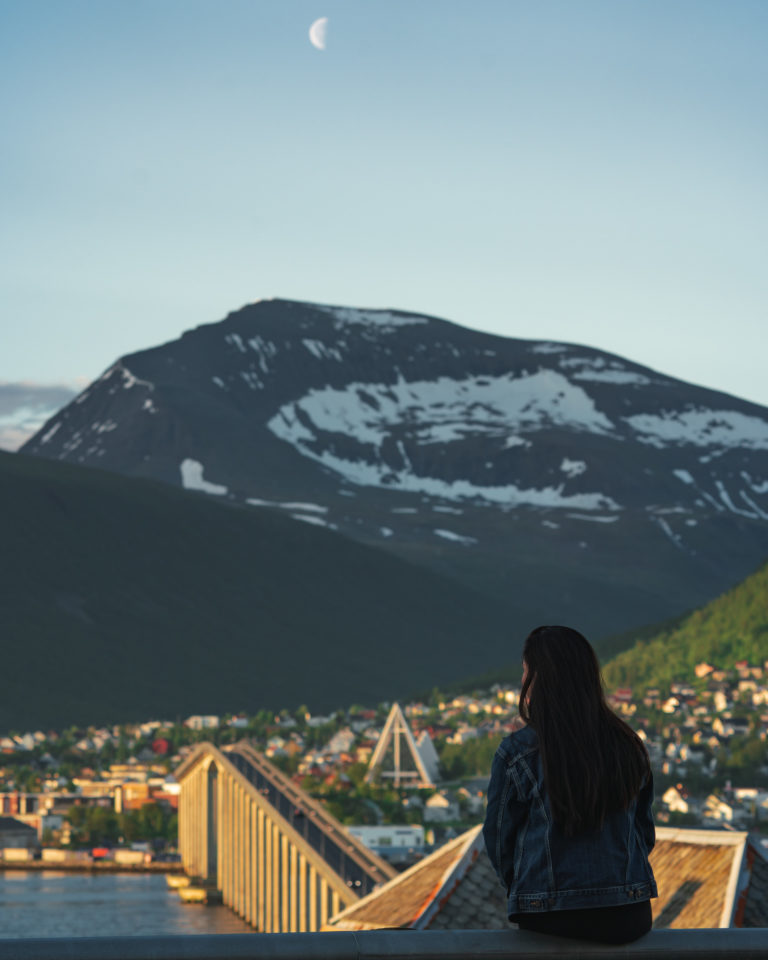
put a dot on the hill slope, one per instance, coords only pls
(124, 599)
(577, 484)
(733, 627)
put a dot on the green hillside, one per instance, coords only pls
(732, 627)
(124, 599)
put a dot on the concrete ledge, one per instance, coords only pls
(749, 944)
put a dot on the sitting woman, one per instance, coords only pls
(569, 825)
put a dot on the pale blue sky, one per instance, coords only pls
(588, 171)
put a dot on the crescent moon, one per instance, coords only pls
(317, 33)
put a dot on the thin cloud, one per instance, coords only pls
(25, 406)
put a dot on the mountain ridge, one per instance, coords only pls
(593, 489)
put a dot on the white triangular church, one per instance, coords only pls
(398, 735)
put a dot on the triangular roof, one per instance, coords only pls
(701, 876)
(398, 732)
(454, 888)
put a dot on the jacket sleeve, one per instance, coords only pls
(644, 815)
(491, 825)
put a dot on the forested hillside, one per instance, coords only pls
(124, 598)
(732, 627)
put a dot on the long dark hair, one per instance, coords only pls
(593, 762)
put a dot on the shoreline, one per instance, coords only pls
(105, 866)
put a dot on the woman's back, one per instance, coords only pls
(569, 824)
(544, 869)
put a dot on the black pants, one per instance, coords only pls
(600, 924)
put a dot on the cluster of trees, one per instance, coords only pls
(352, 801)
(470, 759)
(97, 826)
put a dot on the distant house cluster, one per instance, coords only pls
(701, 733)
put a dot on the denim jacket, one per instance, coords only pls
(540, 868)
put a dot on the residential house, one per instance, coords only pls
(16, 835)
(199, 722)
(463, 733)
(276, 747)
(715, 808)
(474, 801)
(392, 842)
(340, 742)
(675, 801)
(439, 808)
(720, 701)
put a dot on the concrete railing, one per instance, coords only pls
(748, 944)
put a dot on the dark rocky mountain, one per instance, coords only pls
(572, 484)
(124, 599)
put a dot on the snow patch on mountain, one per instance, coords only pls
(322, 351)
(515, 441)
(573, 468)
(726, 498)
(757, 486)
(439, 410)
(236, 340)
(701, 428)
(620, 377)
(266, 351)
(287, 505)
(751, 503)
(106, 427)
(192, 478)
(378, 417)
(669, 532)
(455, 537)
(129, 379)
(684, 475)
(48, 435)
(367, 474)
(252, 379)
(315, 521)
(601, 370)
(586, 363)
(592, 517)
(379, 318)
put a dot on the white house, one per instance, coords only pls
(440, 808)
(199, 722)
(675, 801)
(340, 742)
(716, 808)
(389, 840)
